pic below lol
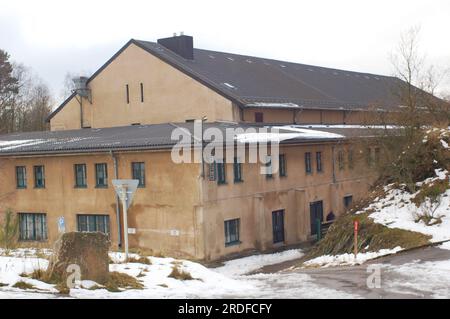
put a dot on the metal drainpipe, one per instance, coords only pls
(333, 166)
(119, 225)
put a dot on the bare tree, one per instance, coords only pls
(25, 101)
(404, 158)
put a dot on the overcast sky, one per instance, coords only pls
(54, 37)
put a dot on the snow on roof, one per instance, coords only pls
(272, 104)
(9, 145)
(288, 132)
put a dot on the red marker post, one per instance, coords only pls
(356, 228)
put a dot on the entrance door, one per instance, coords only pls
(278, 226)
(316, 212)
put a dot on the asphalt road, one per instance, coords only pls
(353, 280)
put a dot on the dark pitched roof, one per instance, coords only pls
(141, 137)
(261, 82)
(258, 82)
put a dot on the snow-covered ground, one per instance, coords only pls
(396, 210)
(348, 259)
(227, 281)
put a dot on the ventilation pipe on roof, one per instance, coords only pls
(82, 91)
(183, 45)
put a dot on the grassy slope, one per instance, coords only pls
(372, 237)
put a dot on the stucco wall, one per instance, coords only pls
(156, 210)
(254, 199)
(169, 96)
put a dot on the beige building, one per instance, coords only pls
(118, 124)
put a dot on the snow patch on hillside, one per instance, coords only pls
(396, 210)
(348, 259)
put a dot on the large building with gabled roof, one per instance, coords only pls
(118, 124)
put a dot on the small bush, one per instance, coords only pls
(117, 281)
(23, 285)
(8, 230)
(3, 285)
(140, 260)
(62, 288)
(38, 274)
(180, 274)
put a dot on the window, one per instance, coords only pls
(127, 92)
(369, 157)
(278, 226)
(21, 177)
(350, 159)
(32, 226)
(232, 232)
(221, 173)
(282, 165)
(377, 155)
(93, 223)
(39, 176)
(348, 201)
(80, 175)
(308, 168)
(237, 169)
(138, 173)
(101, 175)
(259, 117)
(319, 161)
(269, 167)
(142, 93)
(212, 170)
(341, 160)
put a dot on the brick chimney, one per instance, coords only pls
(183, 45)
